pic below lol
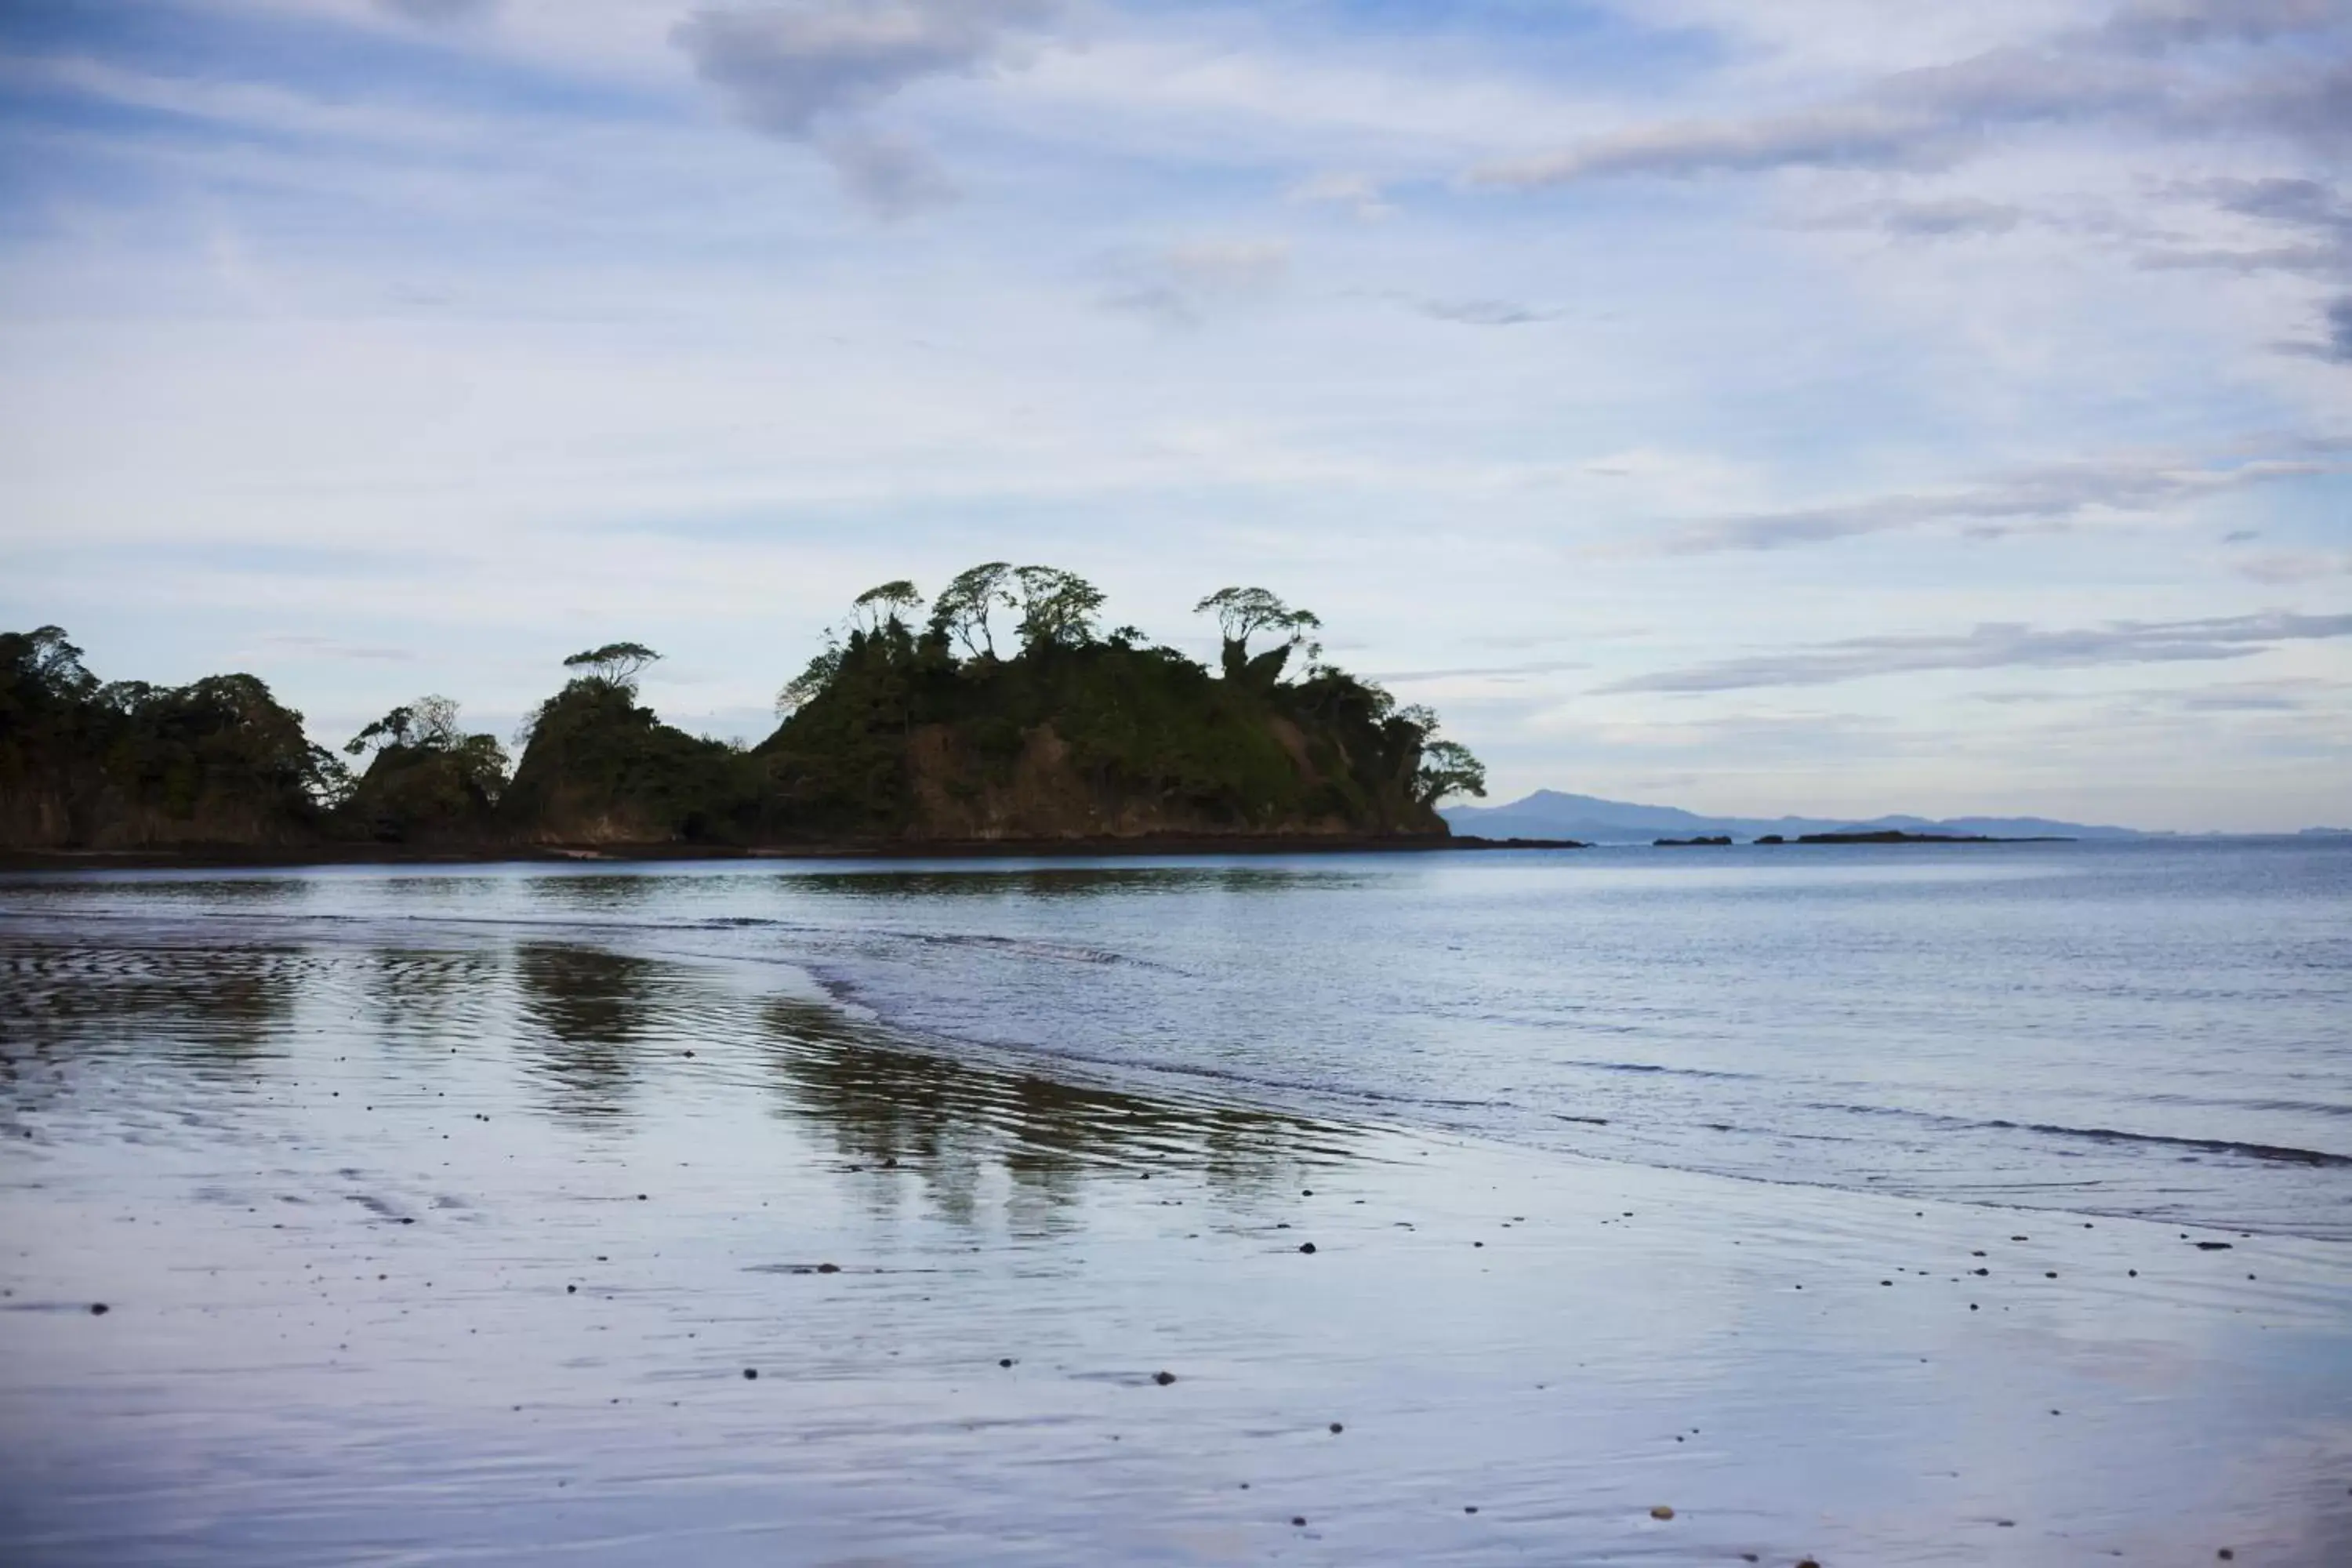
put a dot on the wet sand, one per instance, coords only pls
(394, 1274)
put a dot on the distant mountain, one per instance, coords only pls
(1551, 814)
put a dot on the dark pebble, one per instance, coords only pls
(98, 1308)
(571, 1289)
(751, 1374)
(2226, 1555)
(1469, 1508)
(1307, 1246)
(641, 1197)
(1298, 1521)
(2212, 1246)
(1336, 1427)
(1163, 1378)
(1005, 1360)
(828, 1269)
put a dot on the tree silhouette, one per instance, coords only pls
(1242, 614)
(615, 663)
(878, 606)
(1057, 608)
(964, 605)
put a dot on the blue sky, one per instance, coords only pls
(1822, 407)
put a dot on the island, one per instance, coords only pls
(1005, 722)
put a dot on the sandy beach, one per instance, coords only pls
(676, 1261)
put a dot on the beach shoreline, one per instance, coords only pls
(1144, 847)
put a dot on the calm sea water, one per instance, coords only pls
(1895, 1205)
(2161, 1030)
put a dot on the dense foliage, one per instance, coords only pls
(1006, 712)
(126, 764)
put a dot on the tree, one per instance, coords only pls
(804, 688)
(617, 664)
(962, 609)
(430, 724)
(1448, 768)
(43, 662)
(1057, 608)
(880, 606)
(1242, 614)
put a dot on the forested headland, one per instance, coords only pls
(997, 712)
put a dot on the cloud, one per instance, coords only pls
(1932, 219)
(2287, 567)
(1176, 284)
(806, 71)
(437, 13)
(1997, 646)
(890, 176)
(785, 68)
(1854, 136)
(1483, 313)
(1932, 117)
(1358, 193)
(2050, 494)
(1491, 671)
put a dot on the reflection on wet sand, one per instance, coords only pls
(418, 994)
(210, 1010)
(956, 1123)
(588, 1011)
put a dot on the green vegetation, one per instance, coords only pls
(904, 728)
(125, 765)
(429, 782)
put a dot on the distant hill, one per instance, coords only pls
(1553, 814)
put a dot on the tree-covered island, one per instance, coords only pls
(1003, 714)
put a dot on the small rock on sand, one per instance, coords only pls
(751, 1374)
(1661, 1512)
(98, 1308)
(1307, 1246)
(1163, 1378)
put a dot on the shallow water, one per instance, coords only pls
(355, 1157)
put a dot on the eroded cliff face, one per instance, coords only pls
(1044, 793)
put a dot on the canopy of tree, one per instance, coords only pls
(900, 729)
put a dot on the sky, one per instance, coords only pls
(1820, 406)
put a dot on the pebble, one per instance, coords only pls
(1307, 1246)
(1336, 1427)
(1163, 1378)
(98, 1308)
(828, 1269)
(1661, 1512)
(751, 1373)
